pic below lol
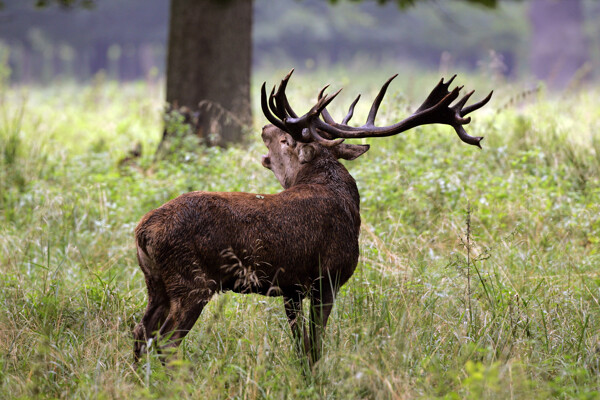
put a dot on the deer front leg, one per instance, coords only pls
(321, 303)
(293, 310)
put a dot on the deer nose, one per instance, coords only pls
(266, 162)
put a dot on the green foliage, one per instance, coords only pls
(497, 302)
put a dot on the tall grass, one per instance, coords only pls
(478, 275)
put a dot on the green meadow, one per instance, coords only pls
(478, 275)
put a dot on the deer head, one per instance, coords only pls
(287, 156)
(293, 141)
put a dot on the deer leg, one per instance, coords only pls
(156, 311)
(321, 303)
(146, 329)
(293, 310)
(183, 313)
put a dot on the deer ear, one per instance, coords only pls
(306, 153)
(349, 151)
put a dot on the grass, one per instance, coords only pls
(478, 275)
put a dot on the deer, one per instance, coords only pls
(300, 243)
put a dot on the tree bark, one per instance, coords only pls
(559, 48)
(208, 65)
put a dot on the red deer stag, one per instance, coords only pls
(302, 242)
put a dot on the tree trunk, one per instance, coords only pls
(208, 65)
(559, 47)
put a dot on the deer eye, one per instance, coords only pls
(283, 141)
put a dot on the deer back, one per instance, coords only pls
(284, 240)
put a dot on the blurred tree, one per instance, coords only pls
(208, 65)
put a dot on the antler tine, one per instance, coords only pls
(286, 78)
(273, 106)
(325, 114)
(449, 98)
(326, 100)
(437, 93)
(447, 84)
(287, 103)
(281, 99)
(377, 102)
(313, 114)
(320, 95)
(461, 103)
(321, 140)
(265, 108)
(289, 109)
(350, 110)
(327, 117)
(279, 102)
(465, 137)
(476, 106)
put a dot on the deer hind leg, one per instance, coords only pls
(157, 309)
(187, 300)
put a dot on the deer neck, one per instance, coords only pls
(331, 174)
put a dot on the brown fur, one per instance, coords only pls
(302, 242)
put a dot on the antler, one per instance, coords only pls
(435, 109)
(302, 128)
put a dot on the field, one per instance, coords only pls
(478, 276)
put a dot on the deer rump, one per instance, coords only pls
(247, 243)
